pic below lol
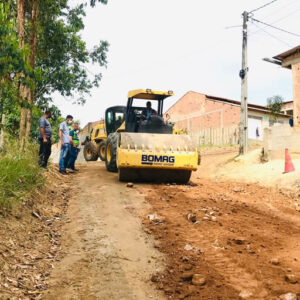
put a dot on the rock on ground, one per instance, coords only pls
(288, 296)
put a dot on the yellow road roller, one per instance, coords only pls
(141, 145)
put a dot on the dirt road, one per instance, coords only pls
(212, 239)
(107, 255)
(242, 239)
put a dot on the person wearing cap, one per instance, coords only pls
(45, 139)
(64, 135)
(73, 147)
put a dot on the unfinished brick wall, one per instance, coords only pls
(195, 112)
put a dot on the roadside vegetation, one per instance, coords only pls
(19, 173)
(41, 53)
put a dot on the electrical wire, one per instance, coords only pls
(274, 27)
(268, 16)
(286, 16)
(282, 8)
(263, 6)
(278, 20)
(271, 35)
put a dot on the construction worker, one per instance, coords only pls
(45, 139)
(148, 111)
(73, 147)
(64, 135)
(119, 122)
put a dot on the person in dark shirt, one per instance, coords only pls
(148, 111)
(45, 139)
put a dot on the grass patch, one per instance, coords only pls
(19, 173)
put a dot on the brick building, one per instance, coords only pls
(198, 112)
(288, 108)
(277, 139)
(291, 60)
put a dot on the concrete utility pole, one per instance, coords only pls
(244, 90)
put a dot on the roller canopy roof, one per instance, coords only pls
(149, 94)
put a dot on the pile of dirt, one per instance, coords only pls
(249, 168)
(225, 240)
(227, 164)
(30, 239)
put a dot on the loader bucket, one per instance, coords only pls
(158, 158)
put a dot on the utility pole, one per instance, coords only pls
(244, 90)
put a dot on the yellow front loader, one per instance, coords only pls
(141, 146)
(94, 145)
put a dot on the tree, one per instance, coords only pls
(32, 58)
(93, 2)
(62, 56)
(275, 104)
(11, 63)
(23, 89)
(55, 55)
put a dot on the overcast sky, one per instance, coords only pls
(182, 46)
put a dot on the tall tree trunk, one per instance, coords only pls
(2, 132)
(33, 40)
(21, 20)
(22, 89)
(2, 114)
(29, 115)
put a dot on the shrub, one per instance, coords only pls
(19, 173)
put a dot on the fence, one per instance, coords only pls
(217, 136)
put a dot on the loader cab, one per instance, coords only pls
(136, 104)
(114, 118)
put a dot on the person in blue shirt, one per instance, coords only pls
(64, 135)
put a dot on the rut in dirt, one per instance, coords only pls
(106, 253)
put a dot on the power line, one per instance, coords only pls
(271, 35)
(274, 27)
(281, 9)
(278, 20)
(263, 6)
(286, 16)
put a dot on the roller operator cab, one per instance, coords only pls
(141, 145)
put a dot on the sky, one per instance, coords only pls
(185, 46)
